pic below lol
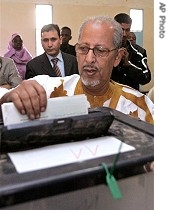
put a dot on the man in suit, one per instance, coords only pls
(42, 64)
(98, 50)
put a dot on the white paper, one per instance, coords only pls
(58, 107)
(62, 154)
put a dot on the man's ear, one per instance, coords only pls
(118, 57)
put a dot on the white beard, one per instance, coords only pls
(90, 83)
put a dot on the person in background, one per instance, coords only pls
(98, 50)
(9, 76)
(18, 53)
(132, 37)
(66, 36)
(43, 64)
(133, 69)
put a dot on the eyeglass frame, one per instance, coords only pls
(94, 48)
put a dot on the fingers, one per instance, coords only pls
(125, 51)
(125, 55)
(33, 97)
(29, 98)
(149, 167)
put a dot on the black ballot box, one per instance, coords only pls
(16, 188)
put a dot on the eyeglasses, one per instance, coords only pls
(98, 51)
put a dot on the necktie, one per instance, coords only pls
(55, 67)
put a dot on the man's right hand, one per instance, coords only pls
(125, 57)
(29, 98)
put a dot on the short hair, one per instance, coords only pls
(123, 18)
(67, 28)
(50, 27)
(131, 32)
(118, 33)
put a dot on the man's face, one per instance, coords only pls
(65, 36)
(51, 42)
(95, 71)
(126, 31)
(132, 38)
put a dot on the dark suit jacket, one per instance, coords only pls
(41, 65)
(67, 48)
(136, 74)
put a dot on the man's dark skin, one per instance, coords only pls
(65, 33)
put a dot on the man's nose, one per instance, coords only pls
(50, 43)
(90, 57)
(124, 33)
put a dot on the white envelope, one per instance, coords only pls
(59, 107)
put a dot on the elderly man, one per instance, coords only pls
(98, 51)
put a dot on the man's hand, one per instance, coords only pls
(125, 57)
(29, 98)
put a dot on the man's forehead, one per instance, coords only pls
(50, 33)
(125, 25)
(65, 31)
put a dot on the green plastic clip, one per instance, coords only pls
(112, 183)
(110, 179)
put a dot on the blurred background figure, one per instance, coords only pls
(132, 37)
(9, 76)
(18, 53)
(66, 36)
(133, 69)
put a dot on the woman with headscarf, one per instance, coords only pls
(18, 53)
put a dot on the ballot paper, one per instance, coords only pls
(59, 107)
(61, 154)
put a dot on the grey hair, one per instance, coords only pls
(118, 33)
